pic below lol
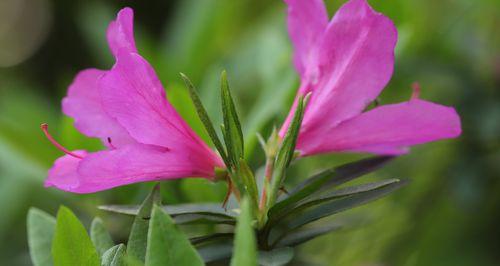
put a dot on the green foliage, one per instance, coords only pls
(41, 228)
(100, 236)
(167, 244)
(245, 246)
(114, 256)
(138, 238)
(233, 135)
(71, 244)
(205, 119)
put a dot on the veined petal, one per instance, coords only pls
(307, 21)
(355, 62)
(120, 32)
(83, 104)
(132, 94)
(387, 129)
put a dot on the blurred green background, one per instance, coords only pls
(449, 215)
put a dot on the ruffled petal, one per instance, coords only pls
(307, 20)
(83, 104)
(120, 32)
(387, 129)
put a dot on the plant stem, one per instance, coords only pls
(267, 180)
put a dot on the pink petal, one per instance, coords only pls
(356, 59)
(130, 164)
(63, 174)
(307, 21)
(387, 129)
(132, 93)
(83, 104)
(120, 32)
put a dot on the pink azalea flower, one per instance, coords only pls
(126, 107)
(344, 64)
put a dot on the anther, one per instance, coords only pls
(111, 144)
(45, 129)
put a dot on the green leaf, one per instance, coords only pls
(245, 245)
(328, 179)
(276, 257)
(286, 152)
(167, 244)
(174, 210)
(249, 182)
(333, 207)
(298, 237)
(340, 193)
(205, 119)
(72, 244)
(138, 238)
(233, 135)
(100, 236)
(216, 251)
(41, 228)
(114, 256)
(209, 238)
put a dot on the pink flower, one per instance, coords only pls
(126, 107)
(345, 63)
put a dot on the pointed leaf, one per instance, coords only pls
(100, 236)
(114, 256)
(286, 152)
(276, 257)
(333, 207)
(167, 244)
(174, 210)
(41, 228)
(72, 244)
(233, 135)
(205, 119)
(245, 245)
(298, 237)
(209, 238)
(249, 182)
(328, 179)
(340, 193)
(138, 238)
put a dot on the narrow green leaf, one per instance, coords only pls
(210, 238)
(294, 238)
(138, 238)
(333, 207)
(286, 152)
(72, 244)
(337, 194)
(276, 257)
(205, 119)
(41, 228)
(100, 236)
(114, 256)
(245, 245)
(167, 244)
(216, 251)
(174, 210)
(249, 182)
(233, 135)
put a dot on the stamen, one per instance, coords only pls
(45, 129)
(416, 90)
(111, 144)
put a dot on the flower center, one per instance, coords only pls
(45, 129)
